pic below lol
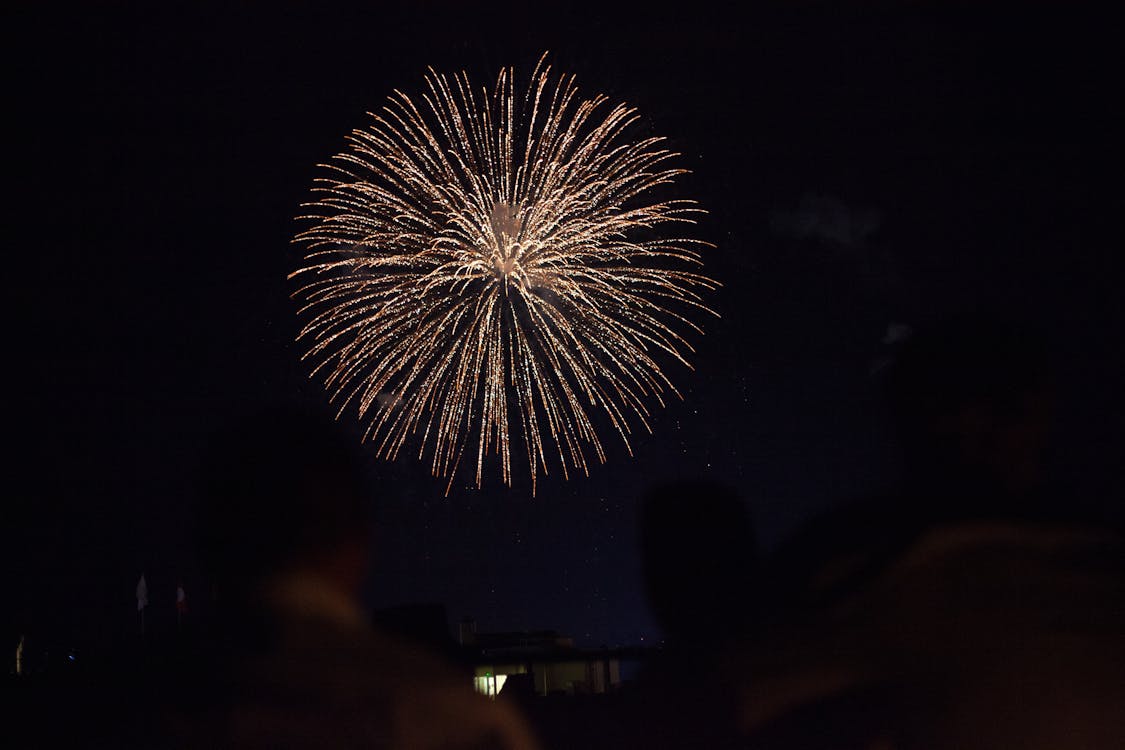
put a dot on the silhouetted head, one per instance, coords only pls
(699, 557)
(971, 401)
(282, 491)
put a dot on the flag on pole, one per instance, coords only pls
(142, 594)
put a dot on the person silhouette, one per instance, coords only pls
(699, 557)
(284, 533)
(968, 609)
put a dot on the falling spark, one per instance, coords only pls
(489, 265)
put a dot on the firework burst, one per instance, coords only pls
(490, 268)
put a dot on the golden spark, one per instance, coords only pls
(487, 265)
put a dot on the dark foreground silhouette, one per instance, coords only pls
(975, 607)
(284, 532)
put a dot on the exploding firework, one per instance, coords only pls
(487, 266)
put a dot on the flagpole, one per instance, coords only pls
(142, 601)
(181, 605)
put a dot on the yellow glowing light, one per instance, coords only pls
(490, 684)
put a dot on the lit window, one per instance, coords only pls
(489, 684)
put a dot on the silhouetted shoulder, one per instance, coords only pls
(979, 634)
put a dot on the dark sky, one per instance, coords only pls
(862, 167)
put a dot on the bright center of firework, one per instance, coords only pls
(507, 251)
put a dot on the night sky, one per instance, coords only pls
(862, 168)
